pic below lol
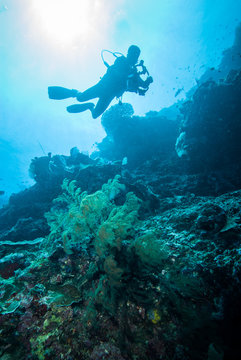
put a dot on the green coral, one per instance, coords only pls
(135, 265)
(96, 220)
(38, 345)
(88, 217)
(119, 226)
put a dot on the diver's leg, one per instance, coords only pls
(77, 108)
(101, 105)
(91, 93)
(88, 94)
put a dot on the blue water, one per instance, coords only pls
(179, 41)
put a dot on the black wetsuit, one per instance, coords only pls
(113, 84)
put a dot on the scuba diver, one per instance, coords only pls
(122, 76)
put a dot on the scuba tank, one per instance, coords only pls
(134, 82)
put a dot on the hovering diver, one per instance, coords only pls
(122, 76)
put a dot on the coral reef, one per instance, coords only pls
(158, 279)
(215, 109)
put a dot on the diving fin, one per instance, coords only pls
(60, 93)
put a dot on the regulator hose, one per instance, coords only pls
(115, 54)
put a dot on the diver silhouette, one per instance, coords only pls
(122, 76)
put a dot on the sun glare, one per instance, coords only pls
(67, 21)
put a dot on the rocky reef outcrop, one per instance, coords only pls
(211, 128)
(128, 136)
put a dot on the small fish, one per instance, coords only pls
(179, 91)
(124, 161)
(3, 8)
(2, 192)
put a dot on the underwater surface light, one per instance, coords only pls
(65, 21)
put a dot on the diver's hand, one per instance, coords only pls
(149, 80)
(142, 92)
